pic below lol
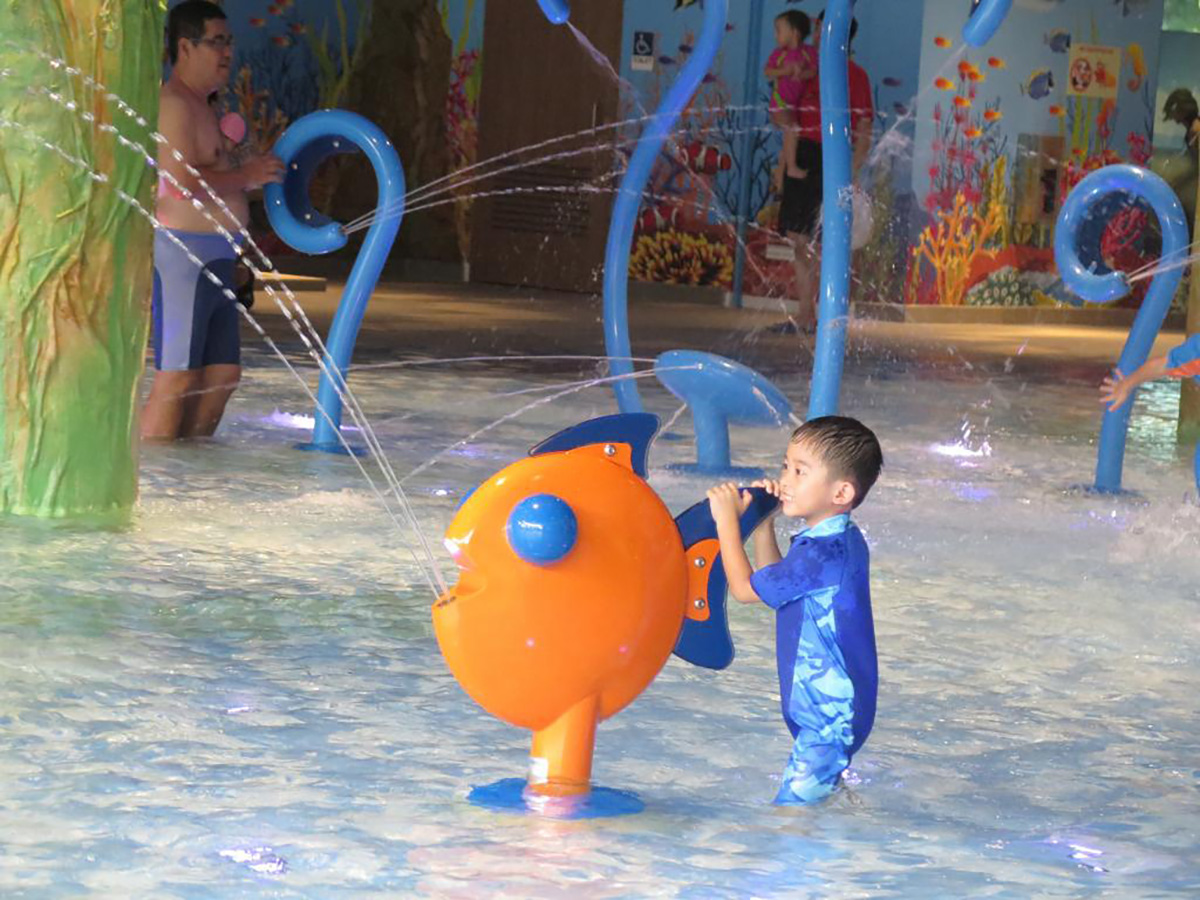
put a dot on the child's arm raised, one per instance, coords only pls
(766, 545)
(1116, 389)
(727, 503)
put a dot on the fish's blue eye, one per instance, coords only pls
(542, 529)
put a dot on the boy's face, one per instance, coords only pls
(807, 489)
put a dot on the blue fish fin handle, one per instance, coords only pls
(708, 643)
(635, 429)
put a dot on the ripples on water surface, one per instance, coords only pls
(240, 694)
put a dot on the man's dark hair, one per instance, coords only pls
(187, 21)
(1181, 107)
(847, 447)
(799, 21)
(853, 26)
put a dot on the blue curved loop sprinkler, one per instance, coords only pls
(304, 146)
(707, 386)
(836, 221)
(1105, 288)
(629, 198)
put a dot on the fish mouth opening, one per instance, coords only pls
(470, 583)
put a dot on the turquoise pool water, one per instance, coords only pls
(240, 695)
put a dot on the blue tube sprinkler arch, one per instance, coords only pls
(304, 146)
(836, 222)
(1104, 288)
(629, 194)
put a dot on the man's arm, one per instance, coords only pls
(176, 125)
(863, 130)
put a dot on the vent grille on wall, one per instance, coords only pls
(549, 200)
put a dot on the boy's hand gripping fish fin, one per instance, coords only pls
(705, 639)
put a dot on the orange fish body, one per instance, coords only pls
(944, 84)
(556, 641)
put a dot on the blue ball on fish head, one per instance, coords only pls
(542, 529)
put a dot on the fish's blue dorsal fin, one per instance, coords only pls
(707, 643)
(635, 429)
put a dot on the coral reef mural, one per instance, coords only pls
(1012, 128)
(463, 22)
(974, 149)
(686, 231)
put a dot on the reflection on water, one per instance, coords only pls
(240, 693)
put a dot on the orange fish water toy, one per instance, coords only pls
(575, 585)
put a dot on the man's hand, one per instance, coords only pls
(260, 170)
(727, 502)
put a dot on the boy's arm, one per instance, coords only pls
(1116, 389)
(766, 546)
(727, 504)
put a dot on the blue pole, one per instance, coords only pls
(750, 119)
(303, 147)
(985, 20)
(834, 311)
(629, 198)
(1105, 288)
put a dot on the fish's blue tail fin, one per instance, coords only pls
(704, 640)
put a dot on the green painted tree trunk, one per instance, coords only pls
(75, 260)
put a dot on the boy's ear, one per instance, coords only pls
(844, 493)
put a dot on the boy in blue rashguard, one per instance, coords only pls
(821, 594)
(1182, 362)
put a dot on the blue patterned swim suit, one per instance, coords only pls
(825, 651)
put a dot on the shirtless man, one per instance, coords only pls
(197, 350)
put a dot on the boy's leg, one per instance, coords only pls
(821, 704)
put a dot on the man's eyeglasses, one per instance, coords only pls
(217, 43)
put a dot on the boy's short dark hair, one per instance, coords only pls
(799, 21)
(847, 447)
(187, 21)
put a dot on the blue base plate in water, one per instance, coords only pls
(335, 449)
(1090, 490)
(508, 795)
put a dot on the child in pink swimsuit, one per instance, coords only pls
(789, 66)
